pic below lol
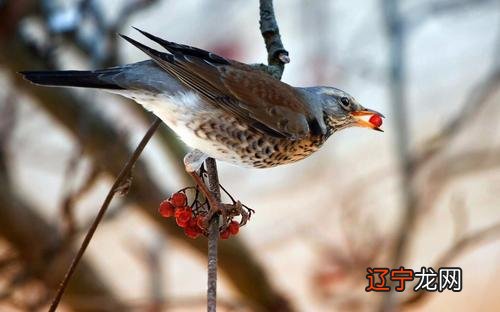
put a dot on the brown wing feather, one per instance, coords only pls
(264, 103)
(270, 101)
(254, 96)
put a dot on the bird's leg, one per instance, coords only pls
(215, 205)
(192, 162)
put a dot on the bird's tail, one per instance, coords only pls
(99, 79)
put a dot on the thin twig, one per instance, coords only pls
(122, 178)
(474, 104)
(473, 240)
(213, 237)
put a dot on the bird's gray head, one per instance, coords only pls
(341, 110)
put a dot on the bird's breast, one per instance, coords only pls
(222, 136)
(236, 143)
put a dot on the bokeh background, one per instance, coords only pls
(423, 193)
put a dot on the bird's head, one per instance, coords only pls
(342, 110)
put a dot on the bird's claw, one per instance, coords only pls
(217, 209)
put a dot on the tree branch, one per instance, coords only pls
(471, 241)
(213, 237)
(472, 106)
(277, 56)
(123, 178)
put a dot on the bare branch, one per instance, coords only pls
(122, 178)
(471, 108)
(277, 56)
(213, 237)
(458, 165)
(471, 241)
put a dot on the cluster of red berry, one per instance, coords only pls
(192, 222)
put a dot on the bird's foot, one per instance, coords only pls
(194, 160)
(215, 206)
(237, 209)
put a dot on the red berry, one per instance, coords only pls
(166, 209)
(182, 223)
(193, 224)
(234, 227)
(182, 216)
(200, 221)
(180, 210)
(178, 199)
(376, 120)
(225, 234)
(191, 229)
(191, 232)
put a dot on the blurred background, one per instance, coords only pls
(423, 193)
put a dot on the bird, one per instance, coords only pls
(222, 108)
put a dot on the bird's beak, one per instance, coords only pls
(364, 117)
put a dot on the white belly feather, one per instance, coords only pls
(179, 110)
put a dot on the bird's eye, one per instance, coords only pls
(345, 102)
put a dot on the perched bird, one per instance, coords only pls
(223, 108)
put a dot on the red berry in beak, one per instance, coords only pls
(376, 120)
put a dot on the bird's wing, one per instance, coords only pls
(145, 75)
(266, 104)
(271, 101)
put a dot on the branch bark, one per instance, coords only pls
(213, 237)
(277, 56)
(471, 108)
(122, 180)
